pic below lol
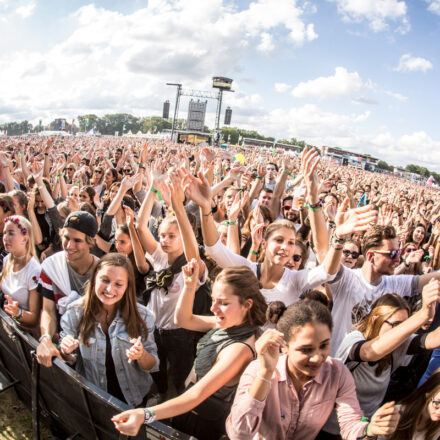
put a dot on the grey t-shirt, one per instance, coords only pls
(370, 389)
(77, 282)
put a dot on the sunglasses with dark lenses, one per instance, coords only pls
(127, 171)
(354, 254)
(394, 324)
(98, 171)
(410, 249)
(296, 258)
(395, 253)
(71, 169)
(287, 207)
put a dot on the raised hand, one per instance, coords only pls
(237, 206)
(414, 257)
(68, 344)
(36, 170)
(190, 274)
(309, 162)
(354, 220)
(430, 297)
(175, 188)
(235, 170)
(128, 182)
(198, 190)
(257, 234)
(98, 202)
(268, 349)
(129, 215)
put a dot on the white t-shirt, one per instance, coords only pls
(353, 296)
(162, 304)
(291, 285)
(19, 284)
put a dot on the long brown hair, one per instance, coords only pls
(127, 305)
(413, 407)
(245, 285)
(381, 310)
(271, 229)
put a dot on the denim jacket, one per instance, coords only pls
(135, 382)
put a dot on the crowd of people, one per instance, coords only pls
(231, 293)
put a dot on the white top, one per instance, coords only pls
(291, 285)
(19, 284)
(163, 302)
(353, 296)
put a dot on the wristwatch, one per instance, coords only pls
(150, 416)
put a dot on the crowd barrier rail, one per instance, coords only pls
(68, 403)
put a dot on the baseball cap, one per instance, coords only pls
(83, 222)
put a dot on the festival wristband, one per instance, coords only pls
(289, 174)
(156, 191)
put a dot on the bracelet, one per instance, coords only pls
(150, 416)
(209, 213)
(259, 177)
(263, 379)
(20, 313)
(289, 174)
(44, 336)
(253, 252)
(156, 191)
(332, 225)
(229, 223)
(314, 206)
(42, 186)
(337, 242)
(369, 435)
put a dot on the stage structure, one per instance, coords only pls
(218, 82)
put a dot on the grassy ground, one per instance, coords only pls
(16, 419)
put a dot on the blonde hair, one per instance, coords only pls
(381, 310)
(23, 224)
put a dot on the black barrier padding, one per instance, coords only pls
(72, 406)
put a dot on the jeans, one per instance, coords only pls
(434, 363)
(178, 348)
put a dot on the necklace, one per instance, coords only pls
(91, 264)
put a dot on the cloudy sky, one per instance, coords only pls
(358, 74)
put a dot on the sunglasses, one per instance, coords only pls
(127, 171)
(98, 172)
(354, 254)
(410, 249)
(393, 324)
(296, 258)
(70, 169)
(395, 253)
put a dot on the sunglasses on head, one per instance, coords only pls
(395, 253)
(297, 257)
(354, 254)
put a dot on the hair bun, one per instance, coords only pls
(274, 311)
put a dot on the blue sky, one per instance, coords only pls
(358, 74)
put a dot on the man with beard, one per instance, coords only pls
(354, 290)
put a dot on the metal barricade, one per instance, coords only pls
(69, 404)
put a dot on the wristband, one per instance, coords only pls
(156, 191)
(337, 242)
(209, 213)
(42, 186)
(253, 252)
(150, 416)
(259, 177)
(20, 313)
(44, 336)
(229, 223)
(289, 174)
(315, 206)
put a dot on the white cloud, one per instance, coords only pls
(282, 87)
(26, 10)
(121, 62)
(267, 44)
(409, 63)
(378, 13)
(397, 96)
(434, 6)
(341, 83)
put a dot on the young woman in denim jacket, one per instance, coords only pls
(113, 334)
